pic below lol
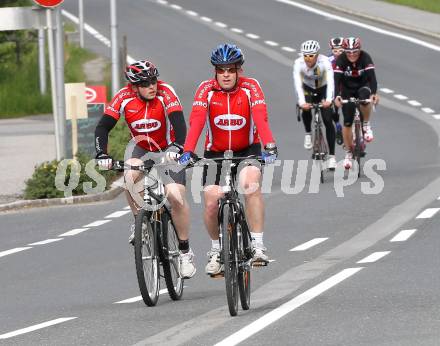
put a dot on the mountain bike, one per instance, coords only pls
(359, 145)
(235, 239)
(156, 242)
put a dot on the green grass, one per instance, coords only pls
(426, 5)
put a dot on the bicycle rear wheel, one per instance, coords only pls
(146, 257)
(171, 262)
(357, 146)
(244, 273)
(230, 257)
(319, 151)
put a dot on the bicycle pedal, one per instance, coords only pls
(217, 276)
(260, 263)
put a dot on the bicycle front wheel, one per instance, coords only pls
(244, 273)
(146, 257)
(357, 146)
(230, 257)
(171, 262)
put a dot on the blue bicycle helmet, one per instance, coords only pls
(226, 54)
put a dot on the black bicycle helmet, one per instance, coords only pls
(226, 54)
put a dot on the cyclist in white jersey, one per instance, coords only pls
(314, 83)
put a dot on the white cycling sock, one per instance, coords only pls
(366, 123)
(215, 244)
(257, 237)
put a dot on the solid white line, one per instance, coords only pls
(362, 25)
(436, 116)
(386, 90)
(428, 110)
(35, 327)
(414, 103)
(271, 43)
(138, 298)
(401, 97)
(117, 214)
(375, 256)
(309, 244)
(252, 36)
(47, 241)
(221, 25)
(97, 223)
(192, 13)
(288, 49)
(206, 19)
(176, 7)
(74, 232)
(11, 251)
(403, 235)
(286, 308)
(237, 30)
(428, 213)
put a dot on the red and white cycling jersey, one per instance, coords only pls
(235, 119)
(147, 121)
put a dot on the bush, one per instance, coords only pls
(42, 182)
(118, 140)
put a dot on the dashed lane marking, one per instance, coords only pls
(403, 235)
(15, 250)
(192, 13)
(386, 90)
(271, 43)
(428, 110)
(309, 244)
(288, 49)
(176, 7)
(206, 19)
(73, 232)
(375, 256)
(97, 223)
(118, 214)
(401, 97)
(414, 103)
(237, 30)
(221, 25)
(427, 213)
(252, 36)
(36, 327)
(436, 116)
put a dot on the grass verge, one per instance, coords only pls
(426, 5)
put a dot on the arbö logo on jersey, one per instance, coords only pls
(229, 122)
(146, 125)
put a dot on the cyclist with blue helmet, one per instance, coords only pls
(234, 109)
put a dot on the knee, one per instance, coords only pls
(211, 208)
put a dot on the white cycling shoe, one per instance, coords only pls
(308, 141)
(348, 161)
(187, 267)
(368, 133)
(259, 253)
(214, 266)
(131, 237)
(331, 162)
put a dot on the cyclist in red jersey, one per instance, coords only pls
(234, 109)
(155, 118)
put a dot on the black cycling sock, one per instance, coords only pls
(184, 245)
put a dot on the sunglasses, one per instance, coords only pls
(147, 83)
(309, 56)
(222, 70)
(337, 51)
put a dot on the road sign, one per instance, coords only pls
(48, 3)
(96, 94)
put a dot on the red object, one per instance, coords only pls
(48, 3)
(96, 94)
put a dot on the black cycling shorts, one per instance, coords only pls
(348, 109)
(212, 173)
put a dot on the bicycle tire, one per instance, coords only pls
(145, 248)
(170, 258)
(244, 273)
(357, 146)
(229, 246)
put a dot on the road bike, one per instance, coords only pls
(359, 145)
(156, 243)
(235, 239)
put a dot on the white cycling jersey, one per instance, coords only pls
(315, 77)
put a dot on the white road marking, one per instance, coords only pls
(428, 110)
(414, 103)
(206, 19)
(436, 116)
(252, 36)
(428, 213)
(162, 2)
(288, 49)
(117, 214)
(176, 7)
(362, 25)
(73, 232)
(97, 223)
(138, 298)
(375, 256)
(386, 90)
(35, 327)
(308, 244)
(15, 250)
(221, 25)
(192, 13)
(127, 208)
(403, 235)
(271, 43)
(47, 241)
(401, 97)
(286, 308)
(237, 30)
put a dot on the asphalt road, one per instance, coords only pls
(318, 296)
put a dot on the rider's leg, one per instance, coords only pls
(365, 93)
(134, 187)
(348, 112)
(212, 194)
(329, 129)
(179, 209)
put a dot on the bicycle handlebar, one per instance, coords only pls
(355, 101)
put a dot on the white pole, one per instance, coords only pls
(114, 47)
(81, 22)
(52, 62)
(61, 102)
(42, 61)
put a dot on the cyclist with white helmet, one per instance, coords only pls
(155, 119)
(335, 44)
(314, 83)
(355, 77)
(233, 107)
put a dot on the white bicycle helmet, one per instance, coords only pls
(310, 47)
